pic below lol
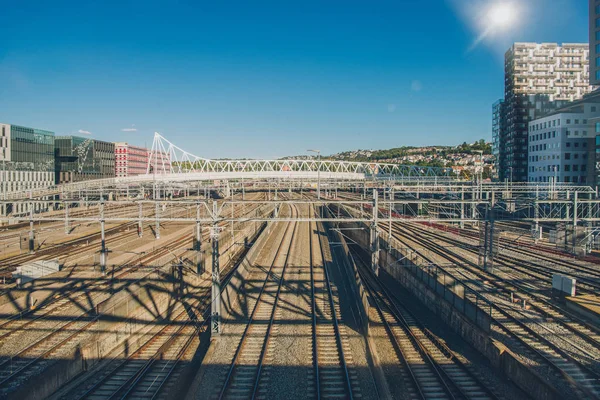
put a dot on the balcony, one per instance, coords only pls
(541, 68)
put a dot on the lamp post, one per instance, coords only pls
(318, 171)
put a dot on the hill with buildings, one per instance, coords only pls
(463, 158)
(435, 156)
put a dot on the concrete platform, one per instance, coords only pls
(586, 305)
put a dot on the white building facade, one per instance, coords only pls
(561, 146)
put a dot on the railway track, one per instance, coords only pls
(579, 377)
(59, 249)
(151, 370)
(38, 355)
(551, 256)
(147, 371)
(243, 375)
(58, 304)
(34, 319)
(331, 350)
(432, 371)
(35, 357)
(537, 297)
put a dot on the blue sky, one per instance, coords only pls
(265, 78)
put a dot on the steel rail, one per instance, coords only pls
(396, 303)
(164, 346)
(441, 251)
(60, 329)
(157, 253)
(313, 307)
(536, 297)
(335, 320)
(254, 310)
(263, 351)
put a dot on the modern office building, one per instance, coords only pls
(539, 78)
(594, 42)
(562, 145)
(79, 159)
(497, 115)
(130, 160)
(26, 162)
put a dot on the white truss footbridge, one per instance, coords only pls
(170, 162)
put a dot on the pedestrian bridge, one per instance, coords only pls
(170, 163)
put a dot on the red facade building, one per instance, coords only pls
(130, 160)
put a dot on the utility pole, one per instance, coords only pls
(198, 243)
(140, 226)
(215, 318)
(31, 234)
(375, 236)
(103, 252)
(67, 227)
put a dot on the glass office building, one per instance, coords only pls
(26, 162)
(497, 115)
(31, 149)
(80, 159)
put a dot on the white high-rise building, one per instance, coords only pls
(539, 78)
